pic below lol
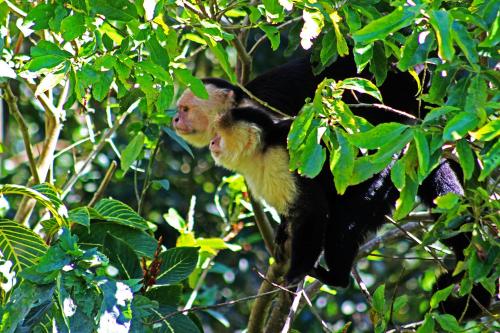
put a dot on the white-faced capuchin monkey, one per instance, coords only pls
(286, 89)
(249, 141)
(320, 219)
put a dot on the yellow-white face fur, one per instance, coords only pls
(238, 147)
(195, 120)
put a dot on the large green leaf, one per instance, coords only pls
(381, 27)
(116, 211)
(177, 264)
(122, 256)
(377, 136)
(342, 161)
(361, 85)
(459, 125)
(441, 22)
(132, 151)
(44, 194)
(20, 245)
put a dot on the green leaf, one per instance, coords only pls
(44, 48)
(47, 61)
(342, 162)
(300, 127)
(466, 158)
(437, 113)
(20, 245)
(393, 146)
(459, 125)
(73, 26)
(406, 200)
(379, 29)
(398, 176)
(157, 53)
(223, 58)
(361, 85)
(120, 10)
(377, 136)
(122, 256)
(493, 37)
(144, 244)
(378, 64)
(447, 201)
(476, 97)
(41, 16)
(440, 295)
(362, 55)
(427, 325)
(80, 215)
(416, 51)
(440, 82)
(448, 323)
(465, 42)
(44, 194)
(165, 295)
(423, 153)
(491, 160)
(132, 151)
(379, 299)
(488, 132)
(441, 21)
(116, 211)
(178, 139)
(273, 34)
(313, 157)
(26, 297)
(193, 83)
(177, 264)
(328, 48)
(100, 89)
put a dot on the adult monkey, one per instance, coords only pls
(249, 141)
(286, 88)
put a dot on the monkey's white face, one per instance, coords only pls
(195, 119)
(234, 147)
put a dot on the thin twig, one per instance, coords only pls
(255, 98)
(93, 154)
(11, 101)
(73, 145)
(279, 27)
(324, 325)
(293, 309)
(362, 285)
(384, 107)
(104, 184)
(214, 306)
(418, 241)
(147, 179)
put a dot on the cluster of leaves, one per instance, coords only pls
(78, 287)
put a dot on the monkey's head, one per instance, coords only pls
(236, 143)
(195, 120)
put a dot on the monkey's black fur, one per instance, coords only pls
(286, 87)
(343, 221)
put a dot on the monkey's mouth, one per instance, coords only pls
(183, 131)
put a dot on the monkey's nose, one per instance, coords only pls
(176, 119)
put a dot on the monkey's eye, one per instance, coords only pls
(184, 109)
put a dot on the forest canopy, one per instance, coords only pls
(111, 222)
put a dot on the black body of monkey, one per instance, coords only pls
(286, 87)
(343, 221)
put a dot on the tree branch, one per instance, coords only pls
(260, 308)
(279, 27)
(104, 184)
(215, 306)
(11, 101)
(384, 107)
(93, 154)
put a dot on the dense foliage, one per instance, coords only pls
(89, 85)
